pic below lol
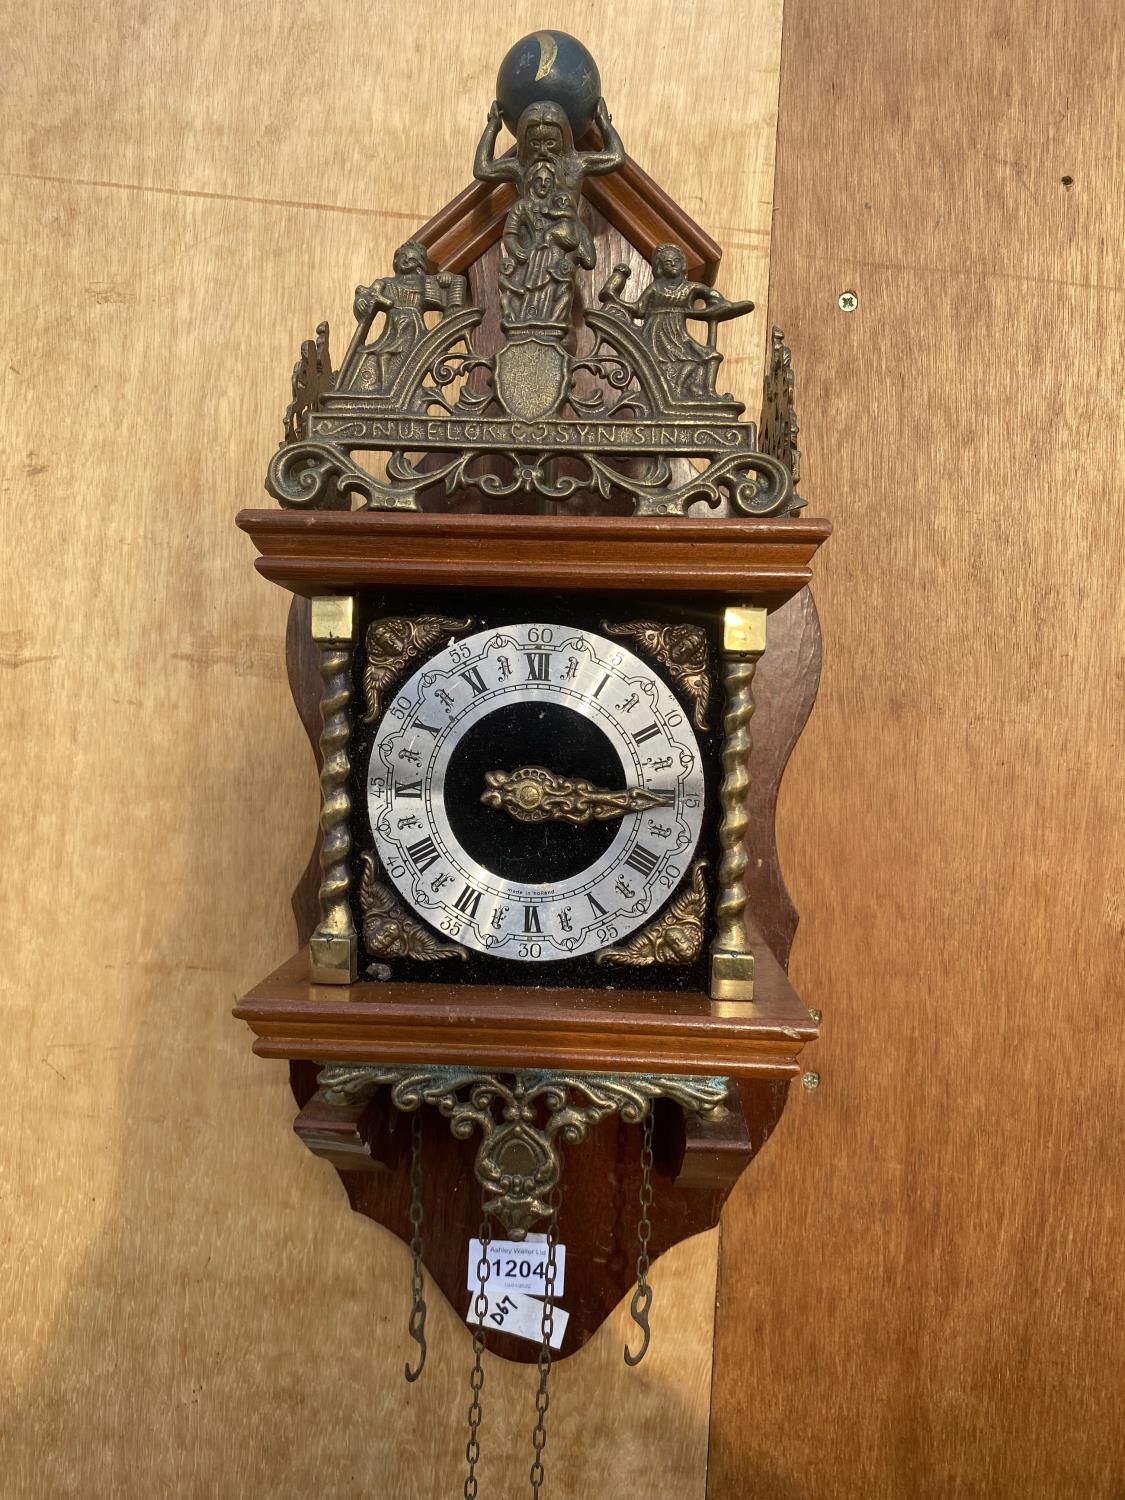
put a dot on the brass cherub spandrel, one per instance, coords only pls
(389, 930)
(676, 937)
(392, 643)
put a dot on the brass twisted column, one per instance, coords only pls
(333, 955)
(732, 961)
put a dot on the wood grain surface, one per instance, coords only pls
(190, 1308)
(947, 1210)
(752, 560)
(495, 1026)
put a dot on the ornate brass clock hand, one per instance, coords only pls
(532, 794)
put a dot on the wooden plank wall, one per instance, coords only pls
(189, 1309)
(921, 1280)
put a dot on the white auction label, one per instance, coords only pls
(518, 1265)
(512, 1312)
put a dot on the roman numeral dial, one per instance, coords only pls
(535, 792)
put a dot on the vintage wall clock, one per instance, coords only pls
(542, 572)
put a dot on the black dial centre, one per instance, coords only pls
(530, 734)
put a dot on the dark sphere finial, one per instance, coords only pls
(549, 67)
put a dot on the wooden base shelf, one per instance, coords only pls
(614, 1031)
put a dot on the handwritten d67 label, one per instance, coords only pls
(518, 1266)
(511, 1312)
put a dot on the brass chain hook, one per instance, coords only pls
(417, 1323)
(642, 1297)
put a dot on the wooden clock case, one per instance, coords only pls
(709, 562)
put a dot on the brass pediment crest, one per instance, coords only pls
(620, 400)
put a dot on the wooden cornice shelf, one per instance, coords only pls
(764, 561)
(489, 1026)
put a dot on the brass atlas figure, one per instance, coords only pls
(545, 241)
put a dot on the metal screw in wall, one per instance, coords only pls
(811, 1080)
(847, 302)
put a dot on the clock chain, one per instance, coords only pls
(542, 1396)
(476, 1377)
(642, 1297)
(417, 1323)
